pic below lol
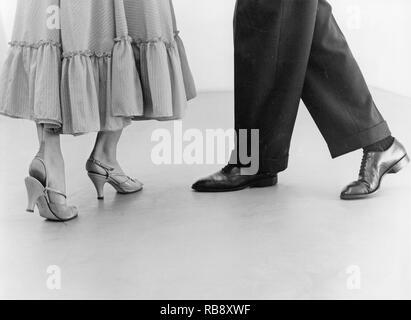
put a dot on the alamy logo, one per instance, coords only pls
(192, 146)
(53, 17)
(354, 20)
(354, 277)
(54, 278)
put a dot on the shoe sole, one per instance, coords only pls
(261, 183)
(99, 181)
(397, 167)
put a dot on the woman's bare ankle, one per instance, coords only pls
(108, 159)
(55, 166)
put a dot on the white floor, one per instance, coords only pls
(293, 241)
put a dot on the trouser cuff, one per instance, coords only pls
(270, 165)
(360, 140)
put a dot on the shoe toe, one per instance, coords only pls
(355, 189)
(74, 211)
(138, 186)
(200, 184)
(210, 183)
(131, 186)
(71, 213)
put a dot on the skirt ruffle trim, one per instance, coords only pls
(86, 91)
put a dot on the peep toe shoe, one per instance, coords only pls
(100, 174)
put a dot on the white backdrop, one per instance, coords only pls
(378, 32)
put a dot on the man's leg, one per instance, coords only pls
(287, 49)
(272, 46)
(339, 100)
(335, 91)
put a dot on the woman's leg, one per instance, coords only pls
(40, 135)
(105, 149)
(50, 153)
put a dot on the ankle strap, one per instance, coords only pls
(109, 170)
(101, 165)
(47, 190)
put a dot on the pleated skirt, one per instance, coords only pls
(80, 66)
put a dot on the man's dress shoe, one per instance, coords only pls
(374, 166)
(231, 179)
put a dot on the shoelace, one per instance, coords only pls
(229, 167)
(364, 162)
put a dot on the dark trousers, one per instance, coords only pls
(287, 50)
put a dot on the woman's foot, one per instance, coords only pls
(50, 202)
(101, 173)
(103, 167)
(52, 158)
(46, 185)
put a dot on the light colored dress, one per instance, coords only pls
(2, 41)
(95, 66)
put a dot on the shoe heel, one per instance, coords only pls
(266, 182)
(99, 181)
(34, 191)
(400, 165)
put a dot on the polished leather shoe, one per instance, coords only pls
(374, 166)
(231, 179)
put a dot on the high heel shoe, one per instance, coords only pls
(38, 192)
(100, 174)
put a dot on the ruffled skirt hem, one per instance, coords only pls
(84, 91)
